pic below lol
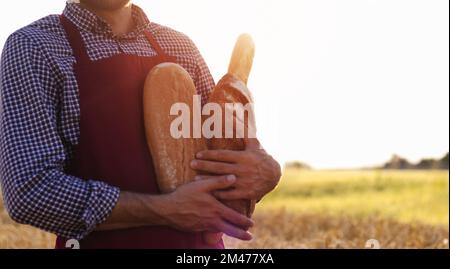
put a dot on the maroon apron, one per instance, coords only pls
(112, 145)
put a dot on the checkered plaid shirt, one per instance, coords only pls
(40, 114)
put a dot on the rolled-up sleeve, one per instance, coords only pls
(36, 190)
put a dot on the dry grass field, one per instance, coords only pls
(280, 229)
(328, 209)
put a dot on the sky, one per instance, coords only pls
(337, 84)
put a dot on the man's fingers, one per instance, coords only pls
(235, 232)
(234, 194)
(218, 183)
(229, 156)
(235, 218)
(214, 167)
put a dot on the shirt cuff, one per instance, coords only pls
(102, 200)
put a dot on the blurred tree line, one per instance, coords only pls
(297, 165)
(398, 162)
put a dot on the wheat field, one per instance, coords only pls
(327, 209)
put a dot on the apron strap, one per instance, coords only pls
(75, 39)
(159, 51)
(152, 40)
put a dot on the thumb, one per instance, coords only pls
(218, 183)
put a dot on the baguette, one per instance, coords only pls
(242, 58)
(232, 88)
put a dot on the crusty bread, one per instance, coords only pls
(232, 88)
(226, 93)
(242, 58)
(166, 85)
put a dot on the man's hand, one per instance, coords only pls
(256, 171)
(193, 208)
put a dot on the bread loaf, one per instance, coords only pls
(166, 85)
(242, 58)
(232, 88)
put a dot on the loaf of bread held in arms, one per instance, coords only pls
(169, 84)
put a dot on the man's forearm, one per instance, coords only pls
(134, 210)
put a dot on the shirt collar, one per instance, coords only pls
(87, 21)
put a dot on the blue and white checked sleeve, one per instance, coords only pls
(32, 155)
